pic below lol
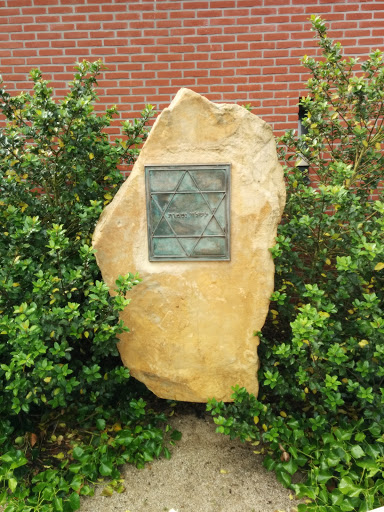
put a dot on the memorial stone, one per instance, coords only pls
(196, 220)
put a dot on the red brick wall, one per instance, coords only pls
(244, 51)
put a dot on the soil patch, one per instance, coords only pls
(207, 473)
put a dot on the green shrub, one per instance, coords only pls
(322, 347)
(61, 378)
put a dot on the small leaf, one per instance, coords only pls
(58, 503)
(223, 471)
(105, 469)
(379, 266)
(74, 501)
(347, 487)
(12, 484)
(100, 424)
(77, 452)
(107, 491)
(283, 477)
(285, 457)
(357, 452)
(91, 156)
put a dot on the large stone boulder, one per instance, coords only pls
(193, 322)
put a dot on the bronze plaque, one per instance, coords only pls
(188, 212)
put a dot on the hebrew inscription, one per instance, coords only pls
(188, 212)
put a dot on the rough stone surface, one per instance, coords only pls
(192, 323)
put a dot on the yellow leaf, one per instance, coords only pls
(365, 143)
(274, 312)
(107, 491)
(265, 428)
(363, 343)
(256, 420)
(334, 115)
(256, 452)
(86, 334)
(91, 156)
(379, 266)
(345, 380)
(378, 146)
(15, 285)
(223, 471)
(306, 341)
(283, 414)
(306, 390)
(61, 143)
(105, 376)
(328, 261)
(59, 456)
(47, 379)
(116, 427)
(324, 314)
(350, 311)
(314, 125)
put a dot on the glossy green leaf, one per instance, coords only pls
(349, 488)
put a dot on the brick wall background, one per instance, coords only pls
(244, 51)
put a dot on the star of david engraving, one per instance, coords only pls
(188, 212)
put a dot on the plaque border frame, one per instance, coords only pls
(227, 167)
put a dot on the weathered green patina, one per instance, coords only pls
(188, 214)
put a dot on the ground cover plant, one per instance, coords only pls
(321, 403)
(68, 414)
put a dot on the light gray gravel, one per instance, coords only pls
(207, 473)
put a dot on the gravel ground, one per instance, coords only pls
(207, 473)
